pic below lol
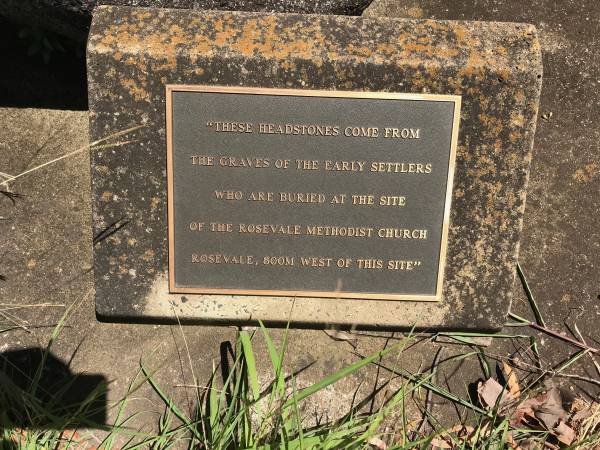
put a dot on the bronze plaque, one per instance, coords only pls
(285, 192)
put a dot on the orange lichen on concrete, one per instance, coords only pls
(154, 203)
(149, 255)
(224, 32)
(493, 125)
(517, 119)
(491, 66)
(102, 169)
(475, 65)
(288, 65)
(586, 173)
(430, 43)
(138, 92)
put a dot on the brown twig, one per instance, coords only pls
(578, 377)
(554, 334)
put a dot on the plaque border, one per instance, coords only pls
(456, 99)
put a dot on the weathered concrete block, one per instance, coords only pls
(495, 67)
(344, 7)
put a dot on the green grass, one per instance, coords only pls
(239, 412)
(236, 410)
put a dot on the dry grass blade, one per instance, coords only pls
(9, 306)
(591, 423)
(93, 146)
(18, 323)
(12, 196)
(564, 433)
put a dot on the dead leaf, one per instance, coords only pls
(458, 431)
(525, 411)
(564, 433)
(543, 410)
(550, 412)
(440, 443)
(529, 444)
(377, 443)
(511, 380)
(580, 410)
(463, 429)
(74, 440)
(490, 392)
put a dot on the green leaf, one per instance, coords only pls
(168, 402)
(246, 342)
(536, 311)
(213, 403)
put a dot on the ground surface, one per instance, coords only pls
(560, 246)
(45, 245)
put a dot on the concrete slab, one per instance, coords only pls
(45, 257)
(481, 62)
(559, 251)
(560, 248)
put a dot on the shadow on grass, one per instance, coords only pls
(7, 445)
(39, 391)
